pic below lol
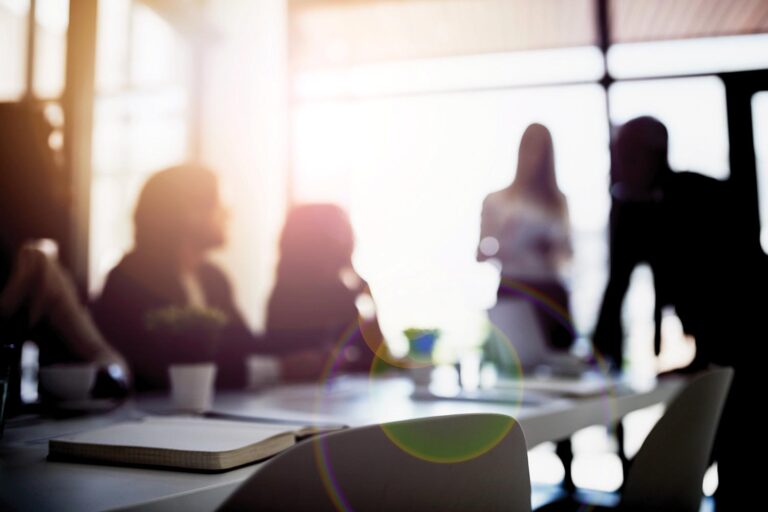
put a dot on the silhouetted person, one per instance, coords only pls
(714, 277)
(38, 300)
(639, 171)
(178, 220)
(314, 304)
(525, 227)
(670, 220)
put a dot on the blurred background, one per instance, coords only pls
(405, 112)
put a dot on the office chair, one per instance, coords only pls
(668, 470)
(383, 468)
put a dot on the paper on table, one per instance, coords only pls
(576, 387)
(516, 396)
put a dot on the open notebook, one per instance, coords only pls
(180, 442)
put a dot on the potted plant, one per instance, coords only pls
(193, 335)
(421, 345)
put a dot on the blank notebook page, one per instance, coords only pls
(181, 433)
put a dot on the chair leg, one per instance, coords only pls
(619, 432)
(564, 452)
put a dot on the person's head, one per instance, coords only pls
(640, 155)
(317, 242)
(535, 177)
(32, 199)
(179, 209)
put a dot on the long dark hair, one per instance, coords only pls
(316, 244)
(165, 199)
(310, 294)
(33, 199)
(535, 177)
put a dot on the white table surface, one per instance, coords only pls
(29, 482)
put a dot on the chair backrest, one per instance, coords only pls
(668, 471)
(383, 468)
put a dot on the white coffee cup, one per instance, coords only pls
(192, 386)
(68, 381)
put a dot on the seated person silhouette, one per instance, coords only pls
(38, 299)
(319, 303)
(178, 220)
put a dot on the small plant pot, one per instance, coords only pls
(192, 386)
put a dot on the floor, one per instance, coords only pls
(541, 494)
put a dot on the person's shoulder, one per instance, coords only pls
(689, 182)
(122, 270)
(496, 199)
(117, 286)
(128, 278)
(497, 195)
(693, 177)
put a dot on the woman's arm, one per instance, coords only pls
(488, 246)
(40, 288)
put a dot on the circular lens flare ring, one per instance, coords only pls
(399, 434)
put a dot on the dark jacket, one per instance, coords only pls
(131, 291)
(703, 262)
(303, 314)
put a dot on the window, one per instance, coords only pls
(413, 170)
(760, 116)
(693, 109)
(13, 48)
(473, 72)
(691, 56)
(51, 19)
(140, 121)
(47, 53)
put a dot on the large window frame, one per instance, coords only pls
(72, 114)
(603, 41)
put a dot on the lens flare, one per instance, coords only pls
(413, 441)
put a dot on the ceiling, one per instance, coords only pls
(349, 32)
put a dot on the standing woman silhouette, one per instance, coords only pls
(525, 228)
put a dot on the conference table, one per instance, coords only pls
(30, 482)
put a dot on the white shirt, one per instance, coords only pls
(529, 241)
